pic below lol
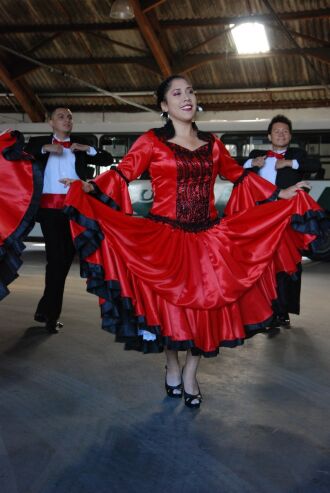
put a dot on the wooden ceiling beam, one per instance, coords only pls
(108, 60)
(148, 5)
(322, 54)
(191, 62)
(151, 39)
(106, 38)
(206, 41)
(301, 35)
(323, 42)
(262, 18)
(169, 24)
(187, 63)
(18, 68)
(265, 105)
(161, 35)
(68, 27)
(23, 94)
(42, 43)
(23, 67)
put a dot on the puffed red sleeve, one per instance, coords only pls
(249, 188)
(227, 167)
(111, 186)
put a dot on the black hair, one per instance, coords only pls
(51, 115)
(280, 119)
(168, 131)
(164, 87)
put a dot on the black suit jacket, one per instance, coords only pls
(287, 176)
(102, 158)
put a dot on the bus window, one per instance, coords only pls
(236, 144)
(325, 153)
(117, 145)
(232, 149)
(90, 139)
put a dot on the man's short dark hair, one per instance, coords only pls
(280, 119)
(58, 108)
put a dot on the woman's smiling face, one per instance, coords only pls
(180, 101)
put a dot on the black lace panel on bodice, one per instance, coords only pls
(194, 179)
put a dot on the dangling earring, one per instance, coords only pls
(164, 115)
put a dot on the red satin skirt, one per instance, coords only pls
(191, 290)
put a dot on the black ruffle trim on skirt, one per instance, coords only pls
(102, 197)
(117, 312)
(13, 246)
(316, 223)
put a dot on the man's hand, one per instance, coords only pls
(53, 148)
(79, 147)
(87, 187)
(288, 193)
(258, 161)
(283, 163)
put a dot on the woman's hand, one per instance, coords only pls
(288, 193)
(87, 187)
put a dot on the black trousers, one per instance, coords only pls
(59, 255)
(288, 291)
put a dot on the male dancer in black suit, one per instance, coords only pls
(59, 157)
(284, 166)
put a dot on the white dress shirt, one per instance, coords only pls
(61, 166)
(268, 170)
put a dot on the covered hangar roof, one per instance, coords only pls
(72, 53)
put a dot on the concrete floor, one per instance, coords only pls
(78, 414)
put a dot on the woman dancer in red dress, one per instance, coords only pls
(182, 279)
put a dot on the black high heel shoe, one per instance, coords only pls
(170, 389)
(189, 398)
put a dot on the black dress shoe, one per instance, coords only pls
(272, 332)
(173, 390)
(284, 321)
(53, 326)
(50, 324)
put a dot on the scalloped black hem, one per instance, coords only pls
(315, 223)
(137, 343)
(117, 312)
(13, 246)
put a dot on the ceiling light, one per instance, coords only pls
(121, 9)
(250, 38)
